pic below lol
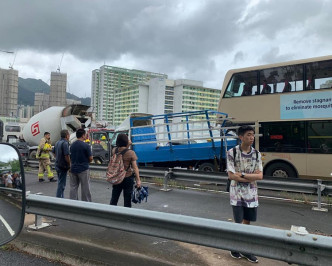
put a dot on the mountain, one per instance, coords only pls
(28, 87)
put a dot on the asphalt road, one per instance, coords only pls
(105, 245)
(12, 257)
(271, 213)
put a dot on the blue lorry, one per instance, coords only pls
(193, 140)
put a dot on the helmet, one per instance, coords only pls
(87, 140)
(103, 138)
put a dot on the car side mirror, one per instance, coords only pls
(12, 193)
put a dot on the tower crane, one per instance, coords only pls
(59, 66)
(12, 64)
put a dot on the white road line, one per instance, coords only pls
(10, 230)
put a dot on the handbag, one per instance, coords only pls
(139, 194)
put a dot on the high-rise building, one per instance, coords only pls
(24, 111)
(58, 89)
(95, 88)
(8, 92)
(42, 102)
(190, 95)
(161, 96)
(106, 80)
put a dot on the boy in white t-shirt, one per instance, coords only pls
(243, 170)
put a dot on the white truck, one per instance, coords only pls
(53, 120)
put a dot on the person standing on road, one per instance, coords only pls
(129, 161)
(244, 167)
(62, 161)
(9, 180)
(80, 157)
(43, 155)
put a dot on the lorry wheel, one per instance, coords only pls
(280, 170)
(32, 155)
(206, 167)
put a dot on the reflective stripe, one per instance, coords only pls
(49, 171)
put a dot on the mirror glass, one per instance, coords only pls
(12, 193)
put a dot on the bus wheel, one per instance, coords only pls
(280, 170)
(206, 167)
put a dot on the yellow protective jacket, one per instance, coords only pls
(44, 149)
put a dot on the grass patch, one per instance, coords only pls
(6, 247)
(305, 198)
(156, 181)
(160, 182)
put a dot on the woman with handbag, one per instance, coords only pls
(130, 165)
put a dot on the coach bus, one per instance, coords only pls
(291, 105)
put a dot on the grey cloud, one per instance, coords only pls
(166, 36)
(238, 57)
(96, 30)
(271, 17)
(273, 56)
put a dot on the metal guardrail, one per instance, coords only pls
(284, 245)
(270, 183)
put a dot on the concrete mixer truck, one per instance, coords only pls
(53, 120)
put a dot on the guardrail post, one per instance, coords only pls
(38, 223)
(320, 188)
(167, 176)
(38, 220)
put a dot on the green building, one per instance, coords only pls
(106, 80)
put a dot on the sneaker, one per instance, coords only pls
(236, 255)
(41, 180)
(53, 180)
(249, 257)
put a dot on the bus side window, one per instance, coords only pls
(266, 88)
(319, 140)
(319, 75)
(247, 89)
(287, 87)
(310, 84)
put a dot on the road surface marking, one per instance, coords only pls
(10, 230)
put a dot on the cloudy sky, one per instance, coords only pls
(194, 39)
(7, 153)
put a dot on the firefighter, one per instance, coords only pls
(103, 142)
(43, 155)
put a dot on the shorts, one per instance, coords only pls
(241, 213)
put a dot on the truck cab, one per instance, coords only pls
(100, 139)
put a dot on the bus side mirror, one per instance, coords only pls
(12, 193)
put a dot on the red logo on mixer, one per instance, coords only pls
(35, 129)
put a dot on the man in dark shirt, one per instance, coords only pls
(62, 161)
(80, 156)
